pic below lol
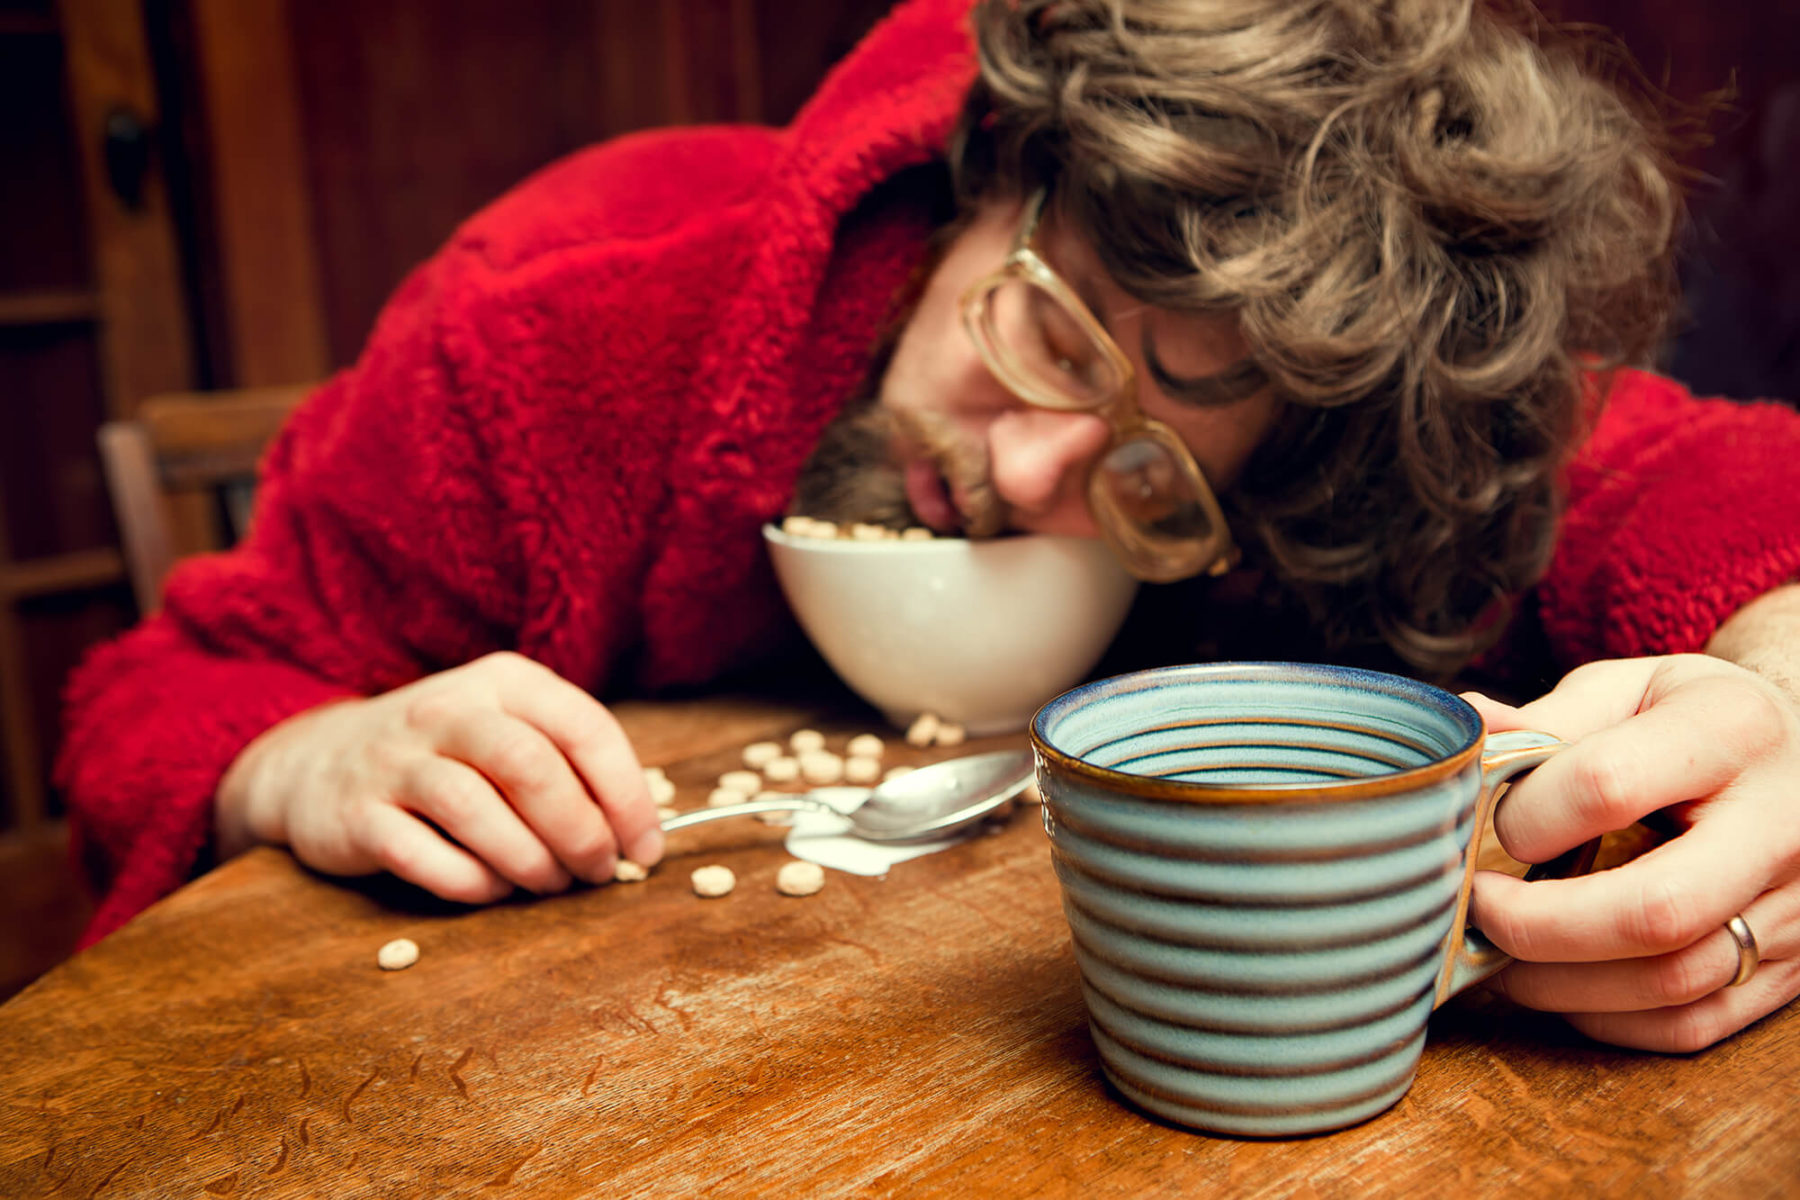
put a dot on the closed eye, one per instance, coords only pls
(1234, 384)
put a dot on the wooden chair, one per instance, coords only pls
(182, 473)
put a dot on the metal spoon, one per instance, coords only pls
(926, 804)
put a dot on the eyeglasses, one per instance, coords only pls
(1146, 492)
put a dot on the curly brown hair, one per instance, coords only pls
(1432, 218)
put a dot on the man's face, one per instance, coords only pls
(966, 455)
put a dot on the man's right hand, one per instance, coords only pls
(496, 774)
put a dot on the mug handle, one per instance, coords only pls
(1470, 957)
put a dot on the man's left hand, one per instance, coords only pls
(1639, 955)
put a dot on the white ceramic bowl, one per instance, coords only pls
(979, 632)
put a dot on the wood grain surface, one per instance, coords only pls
(918, 1034)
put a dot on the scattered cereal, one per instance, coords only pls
(808, 527)
(860, 769)
(757, 755)
(895, 773)
(399, 954)
(949, 734)
(916, 533)
(781, 770)
(630, 872)
(799, 878)
(713, 881)
(923, 730)
(661, 789)
(866, 745)
(724, 797)
(741, 781)
(821, 767)
(870, 533)
(806, 739)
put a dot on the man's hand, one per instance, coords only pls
(467, 783)
(1639, 955)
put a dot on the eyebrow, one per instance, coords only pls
(1238, 382)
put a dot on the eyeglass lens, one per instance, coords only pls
(1049, 346)
(1152, 501)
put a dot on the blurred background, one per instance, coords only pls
(213, 195)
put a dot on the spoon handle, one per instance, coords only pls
(749, 809)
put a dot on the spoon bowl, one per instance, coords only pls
(921, 806)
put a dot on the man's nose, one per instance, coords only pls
(1035, 455)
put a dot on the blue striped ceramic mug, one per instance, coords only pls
(1266, 870)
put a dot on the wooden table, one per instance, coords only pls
(920, 1034)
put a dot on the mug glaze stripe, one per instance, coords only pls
(1230, 1011)
(1284, 1054)
(1271, 927)
(1218, 845)
(1262, 868)
(1252, 972)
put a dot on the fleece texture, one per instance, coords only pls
(568, 427)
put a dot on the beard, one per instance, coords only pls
(857, 473)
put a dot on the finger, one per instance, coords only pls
(1660, 981)
(593, 741)
(1696, 1026)
(1663, 901)
(531, 772)
(1626, 984)
(1686, 747)
(1588, 699)
(407, 847)
(461, 802)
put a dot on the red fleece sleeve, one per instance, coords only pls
(378, 552)
(1680, 512)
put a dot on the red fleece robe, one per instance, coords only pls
(569, 425)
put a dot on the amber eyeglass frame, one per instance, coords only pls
(1146, 554)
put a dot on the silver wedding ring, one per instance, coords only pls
(1748, 955)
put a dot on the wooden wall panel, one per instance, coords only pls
(417, 114)
(143, 313)
(267, 253)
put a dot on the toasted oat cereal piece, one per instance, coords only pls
(870, 533)
(801, 526)
(725, 797)
(916, 533)
(664, 812)
(713, 881)
(922, 730)
(799, 878)
(949, 733)
(896, 772)
(661, 789)
(866, 745)
(781, 770)
(398, 954)
(758, 754)
(821, 767)
(746, 782)
(861, 769)
(630, 872)
(804, 740)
